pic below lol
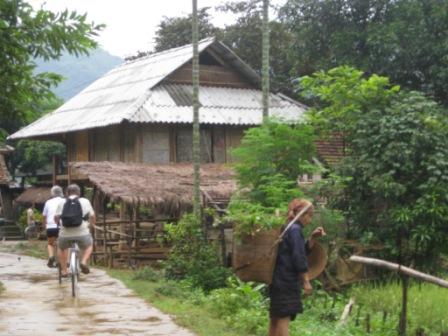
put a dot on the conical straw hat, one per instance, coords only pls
(317, 260)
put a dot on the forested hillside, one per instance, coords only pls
(78, 71)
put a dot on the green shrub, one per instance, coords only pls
(249, 217)
(192, 257)
(146, 273)
(23, 218)
(243, 305)
(274, 148)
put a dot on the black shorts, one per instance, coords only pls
(285, 301)
(52, 233)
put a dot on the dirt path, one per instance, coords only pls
(34, 304)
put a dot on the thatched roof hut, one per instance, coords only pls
(36, 195)
(165, 187)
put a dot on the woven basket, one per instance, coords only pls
(254, 256)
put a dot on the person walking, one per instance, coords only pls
(290, 272)
(75, 216)
(52, 227)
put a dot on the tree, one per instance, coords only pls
(174, 32)
(245, 38)
(396, 176)
(342, 96)
(405, 40)
(30, 156)
(399, 181)
(265, 59)
(196, 135)
(26, 34)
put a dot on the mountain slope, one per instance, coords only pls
(78, 71)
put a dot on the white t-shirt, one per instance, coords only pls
(30, 216)
(81, 230)
(50, 211)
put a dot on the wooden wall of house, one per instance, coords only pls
(212, 72)
(155, 143)
(6, 202)
(158, 143)
(210, 75)
(233, 139)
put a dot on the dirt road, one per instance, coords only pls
(34, 304)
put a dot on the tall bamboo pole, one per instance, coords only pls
(265, 60)
(196, 133)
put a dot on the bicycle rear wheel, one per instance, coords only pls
(74, 277)
(59, 273)
(74, 271)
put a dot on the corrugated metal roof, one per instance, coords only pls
(130, 92)
(172, 104)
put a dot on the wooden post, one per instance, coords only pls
(106, 260)
(347, 310)
(222, 233)
(122, 240)
(95, 208)
(55, 160)
(129, 242)
(368, 323)
(400, 269)
(404, 305)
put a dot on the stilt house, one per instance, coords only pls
(129, 134)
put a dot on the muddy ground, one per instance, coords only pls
(34, 304)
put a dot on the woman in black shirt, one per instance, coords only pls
(290, 270)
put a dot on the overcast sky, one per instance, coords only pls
(131, 24)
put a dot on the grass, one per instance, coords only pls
(2, 288)
(427, 304)
(193, 317)
(217, 314)
(222, 311)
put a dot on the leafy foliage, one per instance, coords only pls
(22, 221)
(399, 171)
(342, 96)
(26, 34)
(30, 155)
(393, 180)
(405, 40)
(146, 273)
(192, 257)
(274, 154)
(174, 32)
(245, 38)
(269, 161)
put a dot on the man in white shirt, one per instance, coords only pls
(79, 233)
(52, 228)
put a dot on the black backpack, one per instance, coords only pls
(72, 213)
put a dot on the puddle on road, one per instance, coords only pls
(41, 277)
(107, 284)
(150, 319)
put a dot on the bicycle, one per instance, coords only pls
(33, 231)
(73, 268)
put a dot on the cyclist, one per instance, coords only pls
(75, 215)
(30, 220)
(48, 221)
